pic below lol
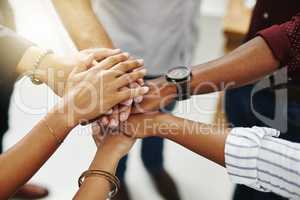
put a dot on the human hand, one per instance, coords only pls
(54, 70)
(161, 94)
(91, 93)
(121, 112)
(114, 143)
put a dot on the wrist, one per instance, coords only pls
(48, 69)
(167, 88)
(106, 161)
(163, 123)
(28, 62)
(63, 116)
(58, 123)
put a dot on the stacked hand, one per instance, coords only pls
(109, 73)
(95, 86)
(121, 112)
(141, 119)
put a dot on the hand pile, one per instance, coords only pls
(111, 73)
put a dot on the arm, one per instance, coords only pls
(251, 155)
(110, 150)
(205, 140)
(54, 70)
(246, 64)
(86, 31)
(21, 161)
(273, 47)
(96, 187)
(18, 57)
(82, 24)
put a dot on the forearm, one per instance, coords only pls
(246, 64)
(28, 60)
(82, 24)
(205, 140)
(24, 159)
(98, 187)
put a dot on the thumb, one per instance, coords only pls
(84, 64)
(88, 61)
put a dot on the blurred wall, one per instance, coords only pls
(213, 7)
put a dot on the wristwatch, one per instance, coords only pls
(181, 77)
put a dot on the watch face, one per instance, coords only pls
(179, 73)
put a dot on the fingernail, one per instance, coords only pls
(141, 61)
(104, 121)
(123, 116)
(113, 123)
(126, 54)
(145, 89)
(141, 81)
(138, 99)
(109, 112)
(117, 50)
(128, 102)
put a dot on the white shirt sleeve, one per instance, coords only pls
(256, 158)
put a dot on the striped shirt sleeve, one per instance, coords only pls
(255, 157)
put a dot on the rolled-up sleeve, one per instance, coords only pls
(284, 41)
(12, 48)
(256, 158)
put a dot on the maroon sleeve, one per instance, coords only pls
(284, 41)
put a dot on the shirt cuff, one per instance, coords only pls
(278, 41)
(241, 152)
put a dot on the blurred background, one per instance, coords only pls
(196, 177)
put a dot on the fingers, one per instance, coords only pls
(103, 121)
(109, 112)
(141, 82)
(102, 53)
(96, 133)
(125, 113)
(127, 102)
(132, 92)
(138, 99)
(114, 118)
(111, 61)
(125, 107)
(126, 79)
(127, 66)
(86, 60)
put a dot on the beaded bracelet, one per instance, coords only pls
(38, 61)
